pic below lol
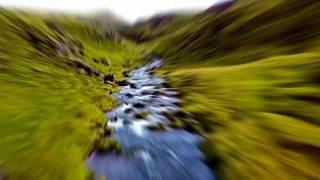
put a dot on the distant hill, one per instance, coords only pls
(245, 28)
(156, 26)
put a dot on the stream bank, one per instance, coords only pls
(149, 152)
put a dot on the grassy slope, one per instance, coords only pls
(250, 74)
(229, 37)
(50, 113)
(157, 26)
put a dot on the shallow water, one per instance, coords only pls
(170, 154)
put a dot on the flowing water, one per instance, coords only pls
(170, 154)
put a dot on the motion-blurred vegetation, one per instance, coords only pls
(249, 72)
(54, 72)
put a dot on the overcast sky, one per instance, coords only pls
(130, 10)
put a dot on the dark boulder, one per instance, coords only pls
(125, 73)
(108, 77)
(113, 119)
(139, 116)
(139, 105)
(157, 127)
(168, 116)
(128, 110)
(165, 84)
(123, 83)
(181, 114)
(145, 92)
(129, 95)
(157, 93)
(107, 132)
(133, 86)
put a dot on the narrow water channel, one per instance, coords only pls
(149, 154)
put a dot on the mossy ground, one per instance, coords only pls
(261, 118)
(51, 114)
(250, 75)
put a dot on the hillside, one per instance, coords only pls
(55, 88)
(250, 75)
(246, 70)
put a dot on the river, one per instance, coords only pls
(149, 154)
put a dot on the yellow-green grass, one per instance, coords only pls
(247, 31)
(122, 54)
(261, 118)
(250, 75)
(51, 114)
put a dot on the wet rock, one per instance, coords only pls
(168, 116)
(177, 104)
(108, 132)
(113, 119)
(103, 146)
(191, 127)
(125, 73)
(133, 86)
(157, 93)
(153, 109)
(126, 122)
(141, 116)
(157, 127)
(108, 77)
(123, 83)
(177, 125)
(139, 105)
(129, 95)
(181, 114)
(165, 84)
(128, 110)
(145, 92)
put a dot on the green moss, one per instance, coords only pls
(247, 31)
(51, 115)
(261, 118)
(250, 76)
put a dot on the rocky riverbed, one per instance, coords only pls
(145, 124)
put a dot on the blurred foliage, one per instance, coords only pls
(262, 118)
(247, 31)
(51, 111)
(250, 75)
